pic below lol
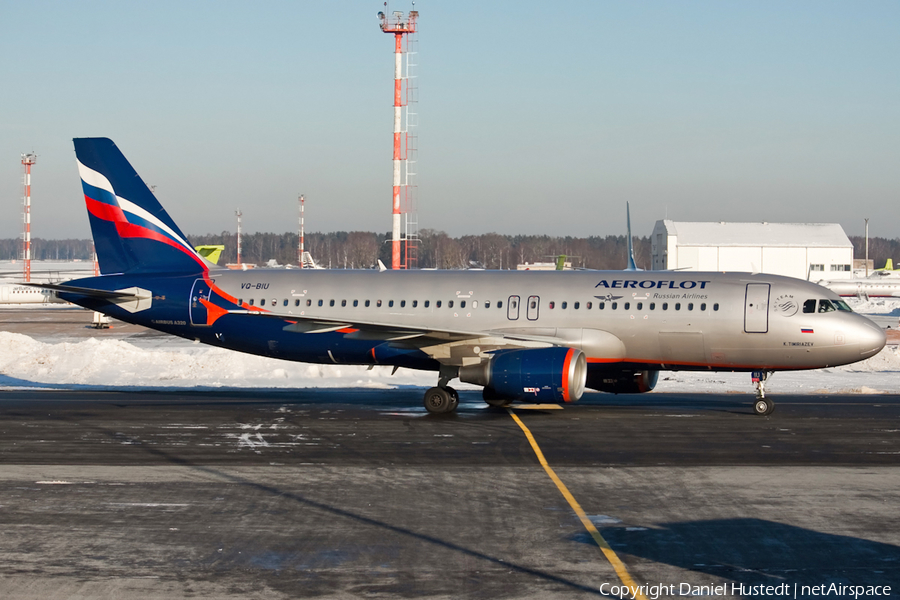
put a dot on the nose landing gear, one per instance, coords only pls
(763, 406)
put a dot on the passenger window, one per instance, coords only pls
(462, 304)
(427, 302)
(274, 301)
(665, 306)
(403, 304)
(678, 306)
(640, 305)
(825, 306)
(487, 303)
(262, 301)
(437, 304)
(533, 304)
(449, 303)
(367, 304)
(602, 305)
(627, 305)
(590, 305)
(565, 305)
(355, 303)
(716, 306)
(285, 301)
(653, 306)
(378, 303)
(703, 306)
(499, 303)
(320, 302)
(251, 301)
(576, 305)
(690, 306)
(297, 302)
(415, 303)
(343, 303)
(309, 302)
(614, 305)
(809, 306)
(552, 304)
(240, 300)
(331, 303)
(390, 304)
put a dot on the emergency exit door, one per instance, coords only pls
(756, 308)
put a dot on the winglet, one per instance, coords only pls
(381, 267)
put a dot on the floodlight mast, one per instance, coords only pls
(27, 161)
(402, 28)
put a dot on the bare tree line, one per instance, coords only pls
(436, 249)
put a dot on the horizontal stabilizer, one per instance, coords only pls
(91, 292)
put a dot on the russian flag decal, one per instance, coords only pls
(806, 330)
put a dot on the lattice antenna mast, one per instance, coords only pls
(401, 27)
(238, 214)
(300, 248)
(27, 161)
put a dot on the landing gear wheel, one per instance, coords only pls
(439, 400)
(763, 407)
(454, 398)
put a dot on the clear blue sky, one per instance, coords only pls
(534, 117)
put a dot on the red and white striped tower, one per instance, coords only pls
(300, 248)
(238, 214)
(27, 161)
(401, 27)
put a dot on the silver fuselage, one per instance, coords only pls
(662, 320)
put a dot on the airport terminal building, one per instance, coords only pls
(811, 251)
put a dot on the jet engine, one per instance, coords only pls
(535, 375)
(623, 382)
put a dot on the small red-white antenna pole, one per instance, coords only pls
(400, 26)
(96, 263)
(301, 246)
(238, 214)
(27, 161)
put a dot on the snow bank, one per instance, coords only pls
(115, 363)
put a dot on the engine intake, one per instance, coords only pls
(536, 375)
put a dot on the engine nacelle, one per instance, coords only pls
(535, 375)
(623, 382)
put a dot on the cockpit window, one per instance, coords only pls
(842, 306)
(826, 306)
(809, 306)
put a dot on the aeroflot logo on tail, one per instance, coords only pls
(648, 284)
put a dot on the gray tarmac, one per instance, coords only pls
(355, 493)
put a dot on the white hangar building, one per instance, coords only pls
(811, 251)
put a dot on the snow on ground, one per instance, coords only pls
(109, 363)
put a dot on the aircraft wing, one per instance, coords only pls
(445, 345)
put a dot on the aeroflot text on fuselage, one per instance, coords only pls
(649, 284)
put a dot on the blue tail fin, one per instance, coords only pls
(132, 232)
(632, 266)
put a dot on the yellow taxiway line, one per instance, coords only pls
(608, 552)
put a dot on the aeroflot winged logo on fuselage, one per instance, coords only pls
(649, 284)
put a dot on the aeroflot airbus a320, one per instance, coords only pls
(524, 336)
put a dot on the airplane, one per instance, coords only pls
(882, 283)
(16, 293)
(526, 336)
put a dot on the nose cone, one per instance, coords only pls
(871, 339)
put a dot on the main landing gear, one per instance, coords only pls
(441, 399)
(763, 406)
